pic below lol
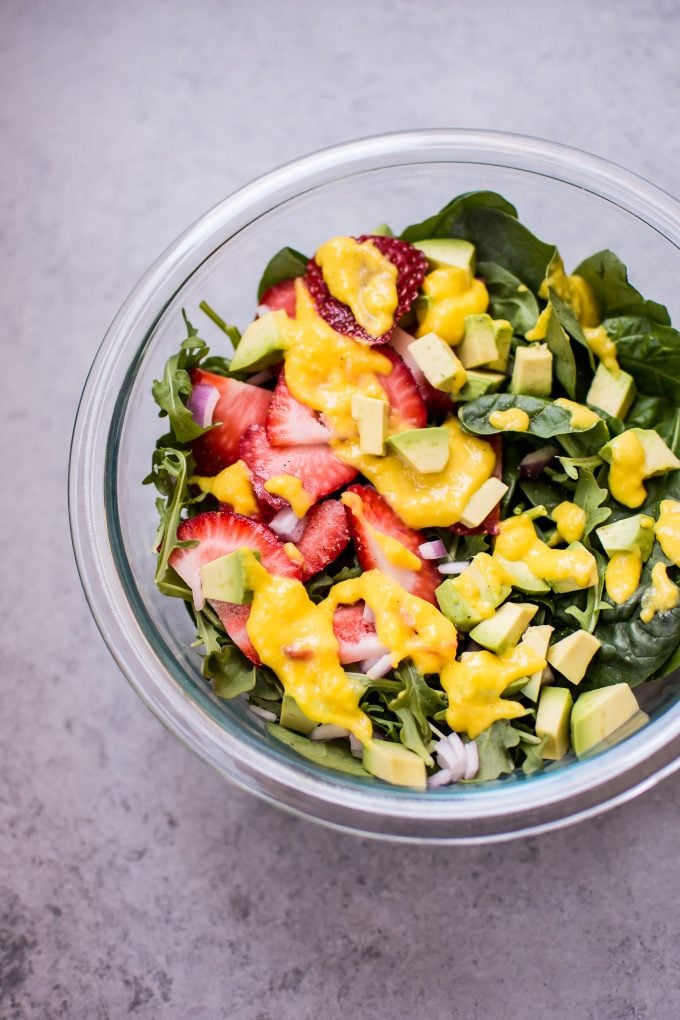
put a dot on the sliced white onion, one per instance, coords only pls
(287, 524)
(355, 746)
(472, 755)
(262, 377)
(202, 403)
(454, 567)
(263, 713)
(441, 778)
(329, 731)
(434, 550)
(368, 613)
(380, 667)
(533, 464)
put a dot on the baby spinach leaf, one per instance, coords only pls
(330, 754)
(499, 237)
(559, 344)
(540, 492)
(445, 223)
(176, 384)
(650, 352)
(509, 298)
(608, 278)
(652, 413)
(287, 264)
(493, 746)
(546, 419)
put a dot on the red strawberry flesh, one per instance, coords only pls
(281, 297)
(325, 536)
(438, 402)
(239, 405)
(490, 524)
(356, 636)
(290, 423)
(401, 389)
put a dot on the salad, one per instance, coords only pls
(426, 516)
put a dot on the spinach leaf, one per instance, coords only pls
(509, 298)
(501, 238)
(321, 584)
(574, 364)
(546, 419)
(559, 344)
(287, 264)
(176, 383)
(540, 492)
(445, 223)
(608, 278)
(229, 670)
(330, 754)
(494, 747)
(652, 413)
(650, 352)
(412, 706)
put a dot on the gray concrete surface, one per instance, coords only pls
(132, 880)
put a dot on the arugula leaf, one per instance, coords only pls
(176, 383)
(412, 706)
(169, 474)
(546, 419)
(321, 584)
(590, 497)
(287, 264)
(330, 754)
(232, 332)
(494, 747)
(650, 352)
(230, 671)
(445, 223)
(509, 298)
(588, 617)
(608, 279)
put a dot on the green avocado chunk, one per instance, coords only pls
(598, 714)
(482, 577)
(627, 535)
(442, 252)
(261, 345)
(504, 629)
(426, 450)
(395, 764)
(612, 393)
(552, 721)
(478, 346)
(477, 384)
(532, 373)
(293, 718)
(658, 457)
(226, 578)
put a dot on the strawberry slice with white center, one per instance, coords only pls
(437, 401)
(325, 536)
(220, 532)
(280, 297)
(383, 542)
(234, 619)
(239, 405)
(408, 407)
(356, 635)
(490, 524)
(290, 423)
(316, 467)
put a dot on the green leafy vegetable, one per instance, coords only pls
(232, 332)
(509, 298)
(287, 264)
(590, 497)
(330, 754)
(650, 352)
(412, 706)
(564, 362)
(494, 746)
(546, 419)
(176, 383)
(169, 474)
(230, 671)
(588, 617)
(608, 278)
(446, 222)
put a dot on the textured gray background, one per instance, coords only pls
(132, 879)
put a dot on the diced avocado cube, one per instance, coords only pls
(372, 417)
(504, 629)
(262, 343)
(522, 577)
(532, 371)
(627, 535)
(226, 578)
(482, 503)
(599, 714)
(477, 384)
(538, 639)
(438, 363)
(478, 346)
(552, 721)
(573, 654)
(612, 393)
(426, 450)
(383, 230)
(442, 252)
(471, 597)
(569, 583)
(502, 331)
(293, 718)
(395, 764)
(658, 457)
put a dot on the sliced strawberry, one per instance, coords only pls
(219, 532)
(401, 389)
(317, 467)
(325, 535)
(356, 635)
(280, 296)
(489, 525)
(436, 401)
(411, 269)
(234, 619)
(376, 514)
(239, 406)
(290, 423)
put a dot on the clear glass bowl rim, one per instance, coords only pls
(488, 814)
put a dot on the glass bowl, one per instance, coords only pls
(580, 202)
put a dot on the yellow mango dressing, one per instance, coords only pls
(231, 485)
(662, 596)
(360, 276)
(582, 417)
(291, 489)
(512, 420)
(570, 520)
(623, 575)
(450, 295)
(603, 347)
(626, 472)
(517, 540)
(475, 684)
(667, 529)
(573, 289)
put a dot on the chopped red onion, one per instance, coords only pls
(453, 567)
(355, 746)
(329, 731)
(262, 377)
(367, 650)
(441, 778)
(287, 524)
(451, 755)
(202, 403)
(379, 668)
(368, 613)
(472, 755)
(533, 464)
(435, 550)
(263, 713)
